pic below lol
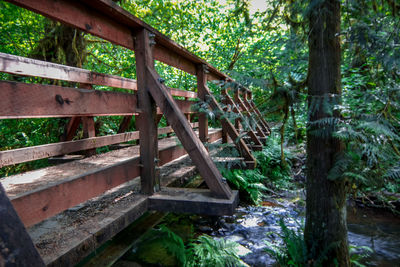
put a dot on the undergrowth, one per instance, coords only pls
(164, 247)
(292, 249)
(270, 174)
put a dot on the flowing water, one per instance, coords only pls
(250, 225)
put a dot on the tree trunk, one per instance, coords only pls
(326, 228)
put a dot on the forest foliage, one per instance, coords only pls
(266, 51)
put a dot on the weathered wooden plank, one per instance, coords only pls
(78, 15)
(177, 92)
(17, 248)
(20, 100)
(186, 135)
(201, 83)
(37, 68)
(36, 206)
(15, 156)
(20, 155)
(147, 121)
(189, 200)
(169, 57)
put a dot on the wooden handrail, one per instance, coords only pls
(20, 155)
(36, 68)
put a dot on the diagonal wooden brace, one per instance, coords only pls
(230, 129)
(252, 107)
(260, 117)
(235, 108)
(187, 136)
(246, 110)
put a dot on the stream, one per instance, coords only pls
(252, 226)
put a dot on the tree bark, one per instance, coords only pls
(326, 228)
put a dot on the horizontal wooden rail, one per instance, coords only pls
(22, 100)
(20, 155)
(36, 68)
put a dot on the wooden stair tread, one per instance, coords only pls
(189, 200)
(65, 239)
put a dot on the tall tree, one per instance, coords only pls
(326, 228)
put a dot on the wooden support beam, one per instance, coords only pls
(147, 121)
(124, 125)
(248, 114)
(247, 99)
(237, 121)
(260, 117)
(189, 200)
(70, 128)
(21, 100)
(186, 135)
(235, 109)
(230, 129)
(89, 131)
(17, 248)
(201, 85)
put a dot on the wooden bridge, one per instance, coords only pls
(42, 221)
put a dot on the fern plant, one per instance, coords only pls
(158, 245)
(293, 251)
(208, 251)
(248, 182)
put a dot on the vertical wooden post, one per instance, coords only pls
(70, 128)
(248, 96)
(147, 121)
(88, 124)
(201, 93)
(89, 131)
(16, 246)
(224, 93)
(237, 120)
(124, 125)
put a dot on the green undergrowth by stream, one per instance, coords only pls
(270, 174)
(179, 245)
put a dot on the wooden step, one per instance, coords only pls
(67, 238)
(189, 200)
(64, 159)
(256, 147)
